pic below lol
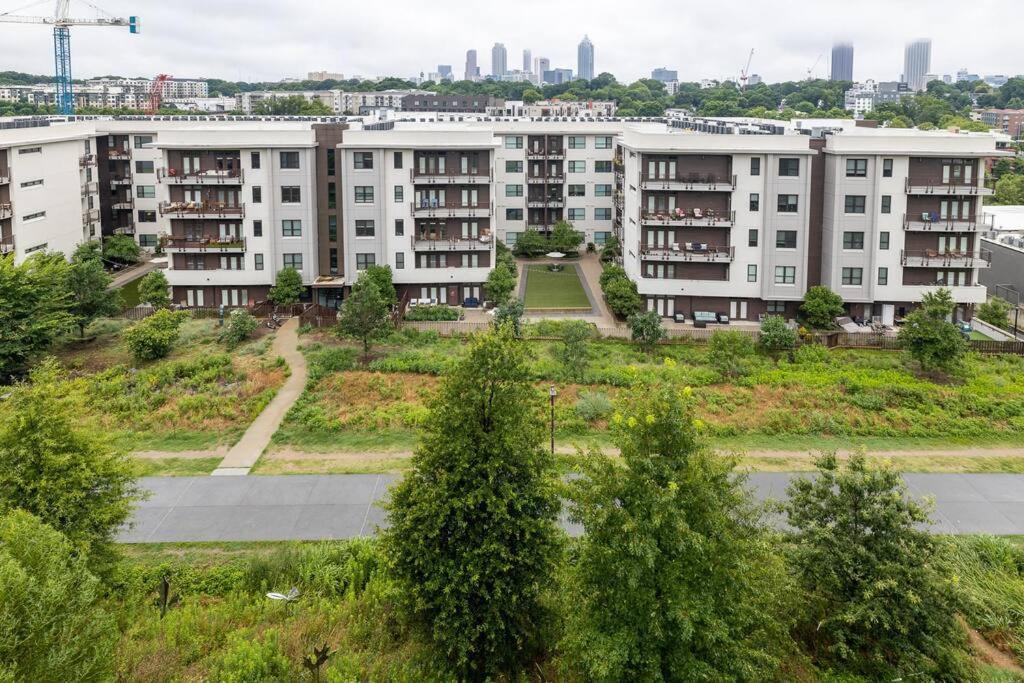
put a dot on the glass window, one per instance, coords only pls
(852, 276)
(147, 216)
(292, 261)
(141, 140)
(785, 239)
(752, 238)
(513, 142)
(143, 166)
(886, 203)
(577, 214)
(399, 194)
(330, 161)
(289, 159)
(332, 195)
(291, 228)
(853, 240)
(399, 260)
(398, 160)
(511, 238)
(364, 194)
(332, 228)
(577, 190)
(788, 203)
(603, 142)
(254, 162)
(364, 228)
(776, 307)
(789, 167)
(755, 201)
(785, 275)
(364, 261)
(856, 168)
(257, 228)
(752, 272)
(600, 237)
(399, 227)
(258, 261)
(332, 255)
(577, 167)
(755, 166)
(602, 190)
(291, 194)
(257, 194)
(577, 142)
(883, 275)
(514, 214)
(362, 160)
(602, 167)
(602, 214)
(513, 190)
(149, 240)
(145, 191)
(513, 167)
(855, 203)
(883, 240)
(887, 168)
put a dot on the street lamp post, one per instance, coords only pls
(551, 395)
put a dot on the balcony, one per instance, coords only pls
(5, 176)
(7, 245)
(126, 204)
(122, 180)
(119, 154)
(694, 182)
(962, 294)
(542, 227)
(689, 251)
(554, 155)
(6, 211)
(481, 243)
(124, 229)
(550, 203)
(931, 222)
(932, 258)
(546, 179)
(679, 218)
(90, 216)
(175, 176)
(944, 187)
(87, 160)
(449, 178)
(193, 245)
(451, 209)
(201, 210)
(91, 187)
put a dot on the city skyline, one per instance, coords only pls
(784, 48)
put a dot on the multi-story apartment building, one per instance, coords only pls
(1010, 121)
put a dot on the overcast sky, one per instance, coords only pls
(256, 40)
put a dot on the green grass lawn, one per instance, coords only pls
(130, 293)
(545, 289)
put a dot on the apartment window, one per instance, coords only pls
(33, 216)
(513, 167)
(145, 191)
(577, 214)
(578, 167)
(853, 276)
(789, 167)
(602, 214)
(788, 203)
(332, 196)
(855, 203)
(30, 150)
(887, 168)
(755, 201)
(603, 142)
(148, 240)
(332, 256)
(143, 166)
(853, 240)
(257, 194)
(755, 166)
(883, 275)
(751, 238)
(397, 160)
(399, 261)
(513, 214)
(602, 167)
(257, 228)
(332, 228)
(32, 183)
(856, 168)
(577, 142)
(330, 161)
(883, 240)
(292, 261)
(600, 237)
(258, 261)
(513, 142)
(141, 140)
(289, 160)
(785, 239)
(511, 238)
(291, 228)
(886, 203)
(399, 194)
(785, 275)
(364, 261)
(254, 162)
(602, 190)
(364, 228)
(513, 190)
(147, 216)
(399, 227)
(577, 190)
(778, 307)
(364, 194)
(362, 160)
(291, 194)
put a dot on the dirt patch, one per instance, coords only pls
(339, 457)
(990, 654)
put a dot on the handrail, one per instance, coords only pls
(934, 257)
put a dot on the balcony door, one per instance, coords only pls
(229, 231)
(470, 197)
(190, 164)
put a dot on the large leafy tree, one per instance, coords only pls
(996, 311)
(472, 534)
(91, 296)
(673, 579)
(381, 276)
(121, 248)
(821, 306)
(573, 352)
(155, 290)
(1009, 190)
(34, 309)
(364, 314)
(874, 603)
(646, 329)
(501, 282)
(287, 288)
(929, 338)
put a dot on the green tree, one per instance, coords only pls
(510, 314)
(996, 311)
(646, 329)
(155, 290)
(34, 309)
(154, 337)
(573, 353)
(364, 314)
(565, 238)
(88, 251)
(121, 248)
(729, 352)
(381, 276)
(53, 626)
(622, 296)
(91, 296)
(530, 96)
(1009, 190)
(69, 477)
(821, 306)
(874, 603)
(287, 289)
(295, 105)
(776, 335)
(472, 535)
(500, 284)
(239, 328)
(531, 243)
(929, 338)
(673, 580)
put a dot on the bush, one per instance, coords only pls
(776, 335)
(610, 273)
(431, 313)
(821, 306)
(247, 660)
(593, 405)
(287, 289)
(154, 290)
(154, 337)
(646, 329)
(121, 248)
(240, 326)
(812, 354)
(729, 353)
(622, 296)
(996, 311)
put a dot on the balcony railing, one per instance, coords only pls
(481, 243)
(541, 227)
(87, 160)
(119, 154)
(450, 177)
(689, 251)
(933, 258)
(126, 204)
(175, 176)
(89, 188)
(550, 202)
(5, 176)
(201, 209)
(90, 216)
(553, 179)
(7, 244)
(691, 218)
(6, 211)
(945, 187)
(545, 154)
(451, 209)
(931, 222)
(693, 182)
(124, 229)
(202, 244)
(121, 180)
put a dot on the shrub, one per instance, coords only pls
(431, 313)
(240, 326)
(531, 243)
(610, 273)
(247, 660)
(729, 353)
(776, 335)
(154, 290)
(573, 353)
(622, 296)
(821, 306)
(812, 354)
(646, 329)
(501, 281)
(995, 311)
(593, 405)
(153, 337)
(287, 289)
(121, 248)
(511, 313)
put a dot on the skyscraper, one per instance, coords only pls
(664, 75)
(917, 62)
(842, 62)
(445, 71)
(585, 59)
(472, 70)
(499, 60)
(527, 61)
(540, 65)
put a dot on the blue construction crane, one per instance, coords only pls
(62, 41)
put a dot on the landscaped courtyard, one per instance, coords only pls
(554, 290)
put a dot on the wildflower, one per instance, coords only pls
(631, 422)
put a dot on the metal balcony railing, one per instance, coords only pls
(450, 177)
(932, 222)
(454, 209)
(946, 187)
(689, 217)
(481, 243)
(688, 251)
(90, 216)
(202, 244)
(933, 258)
(175, 176)
(201, 209)
(5, 175)
(7, 244)
(87, 160)
(6, 210)
(694, 182)
(89, 188)
(119, 153)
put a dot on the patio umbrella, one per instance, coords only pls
(555, 254)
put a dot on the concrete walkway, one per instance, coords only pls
(134, 273)
(244, 454)
(317, 507)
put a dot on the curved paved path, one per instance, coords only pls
(244, 454)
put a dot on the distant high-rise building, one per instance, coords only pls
(917, 62)
(754, 79)
(665, 75)
(585, 59)
(541, 65)
(527, 61)
(557, 76)
(842, 62)
(472, 70)
(499, 60)
(445, 72)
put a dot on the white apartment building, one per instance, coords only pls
(340, 101)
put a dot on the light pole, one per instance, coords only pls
(551, 395)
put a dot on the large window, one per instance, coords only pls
(600, 237)
(257, 194)
(887, 168)
(788, 203)
(513, 142)
(785, 239)
(752, 272)
(513, 214)
(291, 194)
(755, 201)
(399, 194)
(602, 214)
(603, 142)
(785, 275)
(145, 191)
(886, 203)
(399, 260)
(513, 190)
(143, 166)
(853, 240)
(602, 190)
(147, 216)
(752, 237)
(577, 142)
(883, 275)
(364, 261)
(258, 261)
(254, 162)
(577, 190)
(856, 168)
(291, 228)
(577, 167)
(577, 214)
(142, 140)
(399, 227)
(330, 161)
(362, 160)
(855, 203)
(513, 167)
(602, 167)
(332, 195)
(364, 194)
(332, 228)
(883, 240)
(292, 261)
(257, 228)
(853, 276)
(289, 160)
(789, 167)
(398, 160)
(755, 166)
(364, 228)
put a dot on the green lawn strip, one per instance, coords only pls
(130, 293)
(177, 467)
(177, 440)
(561, 290)
(200, 555)
(872, 444)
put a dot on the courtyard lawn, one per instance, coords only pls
(130, 293)
(547, 290)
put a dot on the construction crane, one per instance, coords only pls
(62, 41)
(812, 67)
(156, 93)
(745, 71)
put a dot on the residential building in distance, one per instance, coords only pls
(585, 59)
(1010, 121)
(664, 75)
(842, 62)
(863, 97)
(917, 62)
(754, 79)
(586, 109)
(499, 61)
(433, 102)
(325, 76)
(472, 69)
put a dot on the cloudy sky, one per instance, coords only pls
(272, 39)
